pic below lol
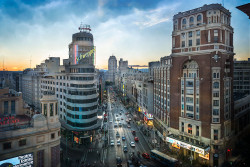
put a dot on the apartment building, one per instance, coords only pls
(193, 86)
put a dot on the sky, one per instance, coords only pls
(136, 30)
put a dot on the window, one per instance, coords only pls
(216, 36)
(189, 84)
(216, 132)
(45, 109)
(184, 21)
(198, 41)
(190, 108)
(56, 109)
(190, 34)
(216, 120)
(22, 142)
(189, 99)
(182, 126)
(198, 33)
(189, 128)
(199, 18)
(215, 111)
(52, 135)
(216, 94)
(182, 43)
(58, 133)
(216, 85)
(191, 19)
(7, 145)
(197, 131)
(189, 42)
(6, 103)
(13, 107)
(216, 102)
(51, 109)
(182, 35)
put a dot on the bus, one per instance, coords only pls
(163, 158)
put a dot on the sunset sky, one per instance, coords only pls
(136, 30)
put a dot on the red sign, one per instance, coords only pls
(8, 120)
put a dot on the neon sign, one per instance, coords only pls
(8, 120)
(86, 55)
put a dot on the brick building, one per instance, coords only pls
(193, 86)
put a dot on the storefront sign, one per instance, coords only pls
(8, 120)
(176, 145)
(206, 156)
(186, 146)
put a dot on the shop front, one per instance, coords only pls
(191, 150)
(148, 119)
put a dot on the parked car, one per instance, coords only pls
(145, 155)
(132, 144)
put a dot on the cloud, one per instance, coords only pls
(155, 16)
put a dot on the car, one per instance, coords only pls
(129, 119)
(117, 134)
(110, 121)
(136, 139)
(118, 142)
(120, 124)
(116, 115)
(115, 125)
(125, 149)
(112, 142)
(118, 119)
(133, 132)
(121, 118)
(123, 138)
(132, 144)
(129, 126)
(145, 155)
(118, 160)
(120, 113)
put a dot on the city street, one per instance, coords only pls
(116, 115)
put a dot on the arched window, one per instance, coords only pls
(199, 17)
(184, 21)
(191, 19)
(189, 128)
(216, 85)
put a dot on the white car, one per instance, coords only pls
(110, 121)
(115, 125)
(112, 142)
(118, 142)
(132, 144)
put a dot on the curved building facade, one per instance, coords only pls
(76, 87)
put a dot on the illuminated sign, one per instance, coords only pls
(186, 146)
(176, 145)
(206, 156)
(8, 120)
(76, 139)
(19, 161)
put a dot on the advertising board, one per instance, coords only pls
(25, 160)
